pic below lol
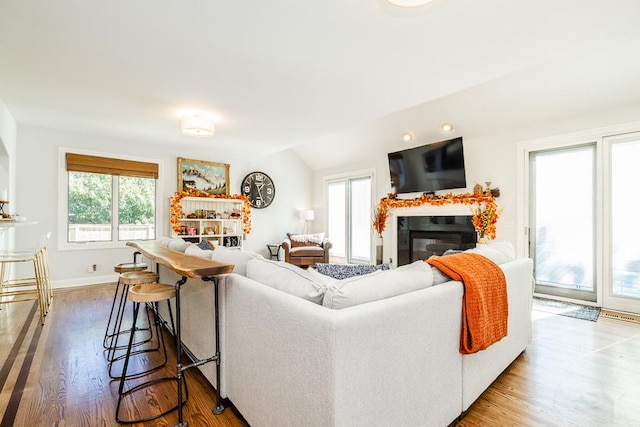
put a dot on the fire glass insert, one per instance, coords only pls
(420, 237)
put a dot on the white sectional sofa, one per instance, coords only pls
(386, 357)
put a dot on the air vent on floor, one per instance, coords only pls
(619, 315)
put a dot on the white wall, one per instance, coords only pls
(486, 159)
(37, 195)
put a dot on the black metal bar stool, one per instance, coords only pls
(119, 297)
(145, 294)
(128, 279)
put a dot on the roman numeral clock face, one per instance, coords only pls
(259, 188)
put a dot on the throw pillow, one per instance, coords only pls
(206, 245)
(438, 276)
(287, 278)
(298, 240)
(378, 285)
(344, 271)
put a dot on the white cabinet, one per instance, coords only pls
(208, 218)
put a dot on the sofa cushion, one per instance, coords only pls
(378, 285)
(286, 278)
(344, 271)
(233, 256)
(178, 244)
(498, 252)
(306, 251)
(298, 240)
(163, 241)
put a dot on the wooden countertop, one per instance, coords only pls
(184, 265)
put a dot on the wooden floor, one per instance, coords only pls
(575, 373)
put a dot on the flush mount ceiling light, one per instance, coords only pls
(409, 3)
(407, 137)
(197, 124)
(446, 127)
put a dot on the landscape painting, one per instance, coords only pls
(209, 177)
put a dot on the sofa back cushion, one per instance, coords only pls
(378, 285)
(286, 278)
(239, 259)
(298, 240)
(498, 252)
(178, 244)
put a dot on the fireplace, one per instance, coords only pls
(419, 237)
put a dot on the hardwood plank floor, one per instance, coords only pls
(575, 373)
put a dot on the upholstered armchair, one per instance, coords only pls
(306, 249)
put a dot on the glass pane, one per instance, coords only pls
(336, 214)
(361, 219)
(564, 218)
(89, 207)
(625, 234)
(136, 208)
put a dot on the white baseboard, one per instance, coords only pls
(93, 280)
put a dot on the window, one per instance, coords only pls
(562, 232)
(109, 200)
(580, 217)
(349, 218)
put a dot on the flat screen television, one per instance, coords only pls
(428, 168)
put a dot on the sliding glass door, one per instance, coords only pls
(349, 219)
(562, 221)
(622, 260)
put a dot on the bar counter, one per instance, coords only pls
(200, 271)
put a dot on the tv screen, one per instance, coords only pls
(428, 168)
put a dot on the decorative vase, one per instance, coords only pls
(379, 249)
(481, 240)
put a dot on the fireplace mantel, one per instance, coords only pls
(428, 205)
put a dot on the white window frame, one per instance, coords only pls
(365, 173)
(63, 201)
(601, 215)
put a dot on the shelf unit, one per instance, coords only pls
(217, 220)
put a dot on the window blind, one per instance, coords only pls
(109, 166)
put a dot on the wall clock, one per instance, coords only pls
(259, 188)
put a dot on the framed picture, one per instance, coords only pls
(209, 177)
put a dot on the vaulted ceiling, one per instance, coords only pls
(331, 78)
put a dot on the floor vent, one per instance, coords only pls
(619, 315)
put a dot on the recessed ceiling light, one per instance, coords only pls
(407, 137)
(446, 127)
(409, 3)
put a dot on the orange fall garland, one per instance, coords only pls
(485, 210)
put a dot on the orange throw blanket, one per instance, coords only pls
(484, 304)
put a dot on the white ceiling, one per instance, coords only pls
(332, 78)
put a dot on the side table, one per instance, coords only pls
(274, 249)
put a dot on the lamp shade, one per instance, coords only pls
(307, 215)
(197, 125)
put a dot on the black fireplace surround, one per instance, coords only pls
(419, 237)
